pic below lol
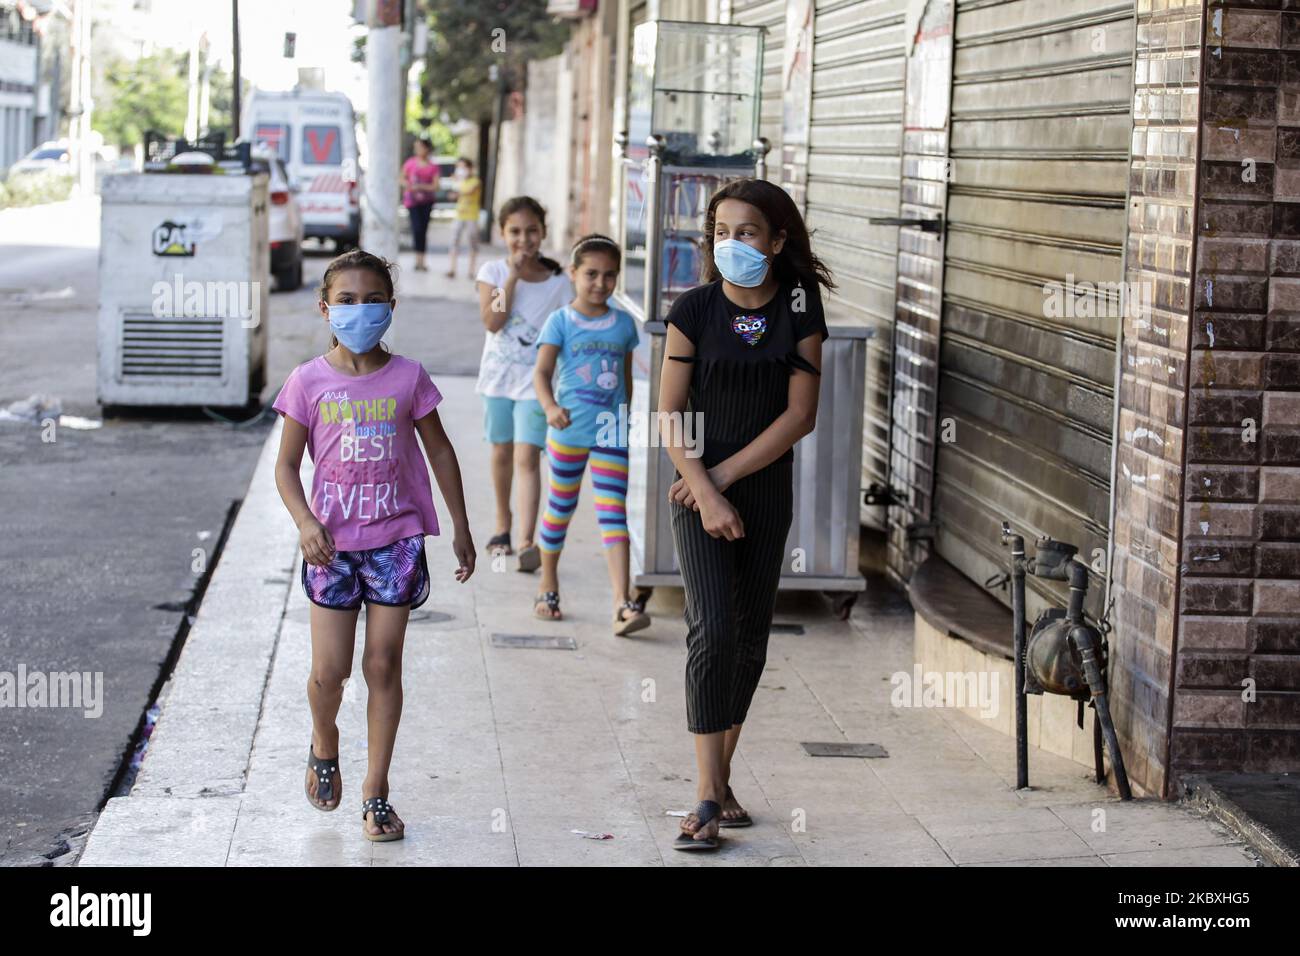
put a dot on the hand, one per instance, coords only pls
(558, 417)
(720, 519)
(462, 545)
(680, 493)
(517, 261)
(316, 544)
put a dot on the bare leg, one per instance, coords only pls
(711, 772)
(731, 808)
(381, 662)
(502, 476)
(616, 559)
(528, 470)
(550, 580)
(333, 635)
(451, 263)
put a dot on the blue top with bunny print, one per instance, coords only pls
(589, 372)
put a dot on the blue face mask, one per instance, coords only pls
(360, 327)
(740, 263)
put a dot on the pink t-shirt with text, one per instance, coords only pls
(371, 485)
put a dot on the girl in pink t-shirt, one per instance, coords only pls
(419, 189)
(357, 410)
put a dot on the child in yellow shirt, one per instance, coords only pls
(469, 197)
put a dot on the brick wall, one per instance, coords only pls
(1152, 383)
(1239, 594)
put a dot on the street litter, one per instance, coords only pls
(593, 836)
(79, 423)
(33, 409)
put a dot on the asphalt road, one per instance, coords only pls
(104, 532)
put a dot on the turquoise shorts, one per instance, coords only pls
(507, 420)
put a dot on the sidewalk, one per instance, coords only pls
(503, 752)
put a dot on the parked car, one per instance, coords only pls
(313, 132)
(285, 228)
(49, 157)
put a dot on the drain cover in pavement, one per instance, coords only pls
(534, 640)
(781, 628)
(844, 750)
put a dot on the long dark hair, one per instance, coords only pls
(356, 259)
(529, 205)
(796, 263)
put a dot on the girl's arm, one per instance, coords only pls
(446, 469)
(494, 319)
(799, 418)
(543, 372)
(316, 543)
(627, 377)
(718, 516)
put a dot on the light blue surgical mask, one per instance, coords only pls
(740, 263)
(359, 327)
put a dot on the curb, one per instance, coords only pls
(1200, 791)
(211, 705)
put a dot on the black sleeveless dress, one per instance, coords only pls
(740, 383)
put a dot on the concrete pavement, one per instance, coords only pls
(503, 753)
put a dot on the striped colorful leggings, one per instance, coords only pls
(608, 479)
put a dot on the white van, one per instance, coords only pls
(314, 133)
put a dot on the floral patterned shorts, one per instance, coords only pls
(396, 575)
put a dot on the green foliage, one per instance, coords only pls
(466, 37)
(31, 189)
(149, 93)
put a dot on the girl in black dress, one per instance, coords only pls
(745, 351)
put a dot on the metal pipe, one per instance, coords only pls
(653, 165)
(1018, 649)
(1085, 639)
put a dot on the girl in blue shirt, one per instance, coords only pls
(593, 344)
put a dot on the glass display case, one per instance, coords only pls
(697, 85)
(693, 111)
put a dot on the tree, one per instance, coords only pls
(146, 94)
(468, 37)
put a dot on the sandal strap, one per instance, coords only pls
(707, 810)
(379, 807)
(550, 598)
(325, 769)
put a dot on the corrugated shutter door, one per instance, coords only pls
(855, 143)
(1039, 141)
(771, 15)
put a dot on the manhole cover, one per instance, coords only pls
(844, 750)
(534, 640)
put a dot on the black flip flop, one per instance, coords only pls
(499, 544)
(705, 811)
(381, 808)
(326, 772)
(745, 821)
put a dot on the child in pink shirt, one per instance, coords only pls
(357, 410)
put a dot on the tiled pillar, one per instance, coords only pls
(1240, 594)
(1152, 383)
(1206, 572)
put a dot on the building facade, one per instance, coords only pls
(1090, 330)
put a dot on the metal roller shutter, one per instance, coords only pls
(1040, 132)
(769, 14)
(855, 142)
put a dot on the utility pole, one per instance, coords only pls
(235, 80)
(192, 105)
(80, 113)
(383, 127)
